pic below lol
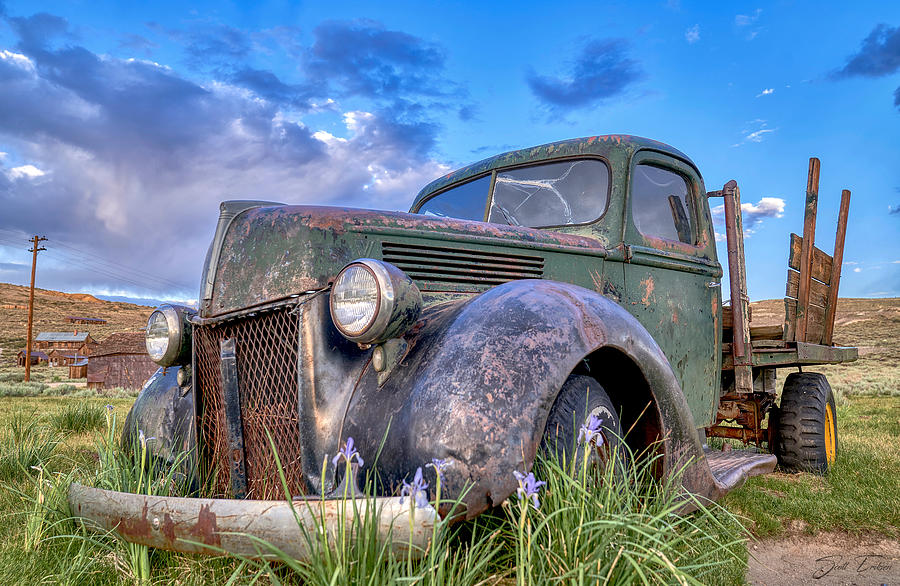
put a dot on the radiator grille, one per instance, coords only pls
(266, 346)
(446, 265)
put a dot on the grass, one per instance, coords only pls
(39, 542)
(860, 493)
(78, 418)
(24, 444)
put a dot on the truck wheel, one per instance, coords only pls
(580, 397)
(806, 426)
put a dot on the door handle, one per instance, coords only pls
(714, 284)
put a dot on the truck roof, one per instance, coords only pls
(599, 145)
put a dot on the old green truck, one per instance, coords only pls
(520, 294)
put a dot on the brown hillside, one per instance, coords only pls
(51, 308)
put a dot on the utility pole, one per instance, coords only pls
(34, 249)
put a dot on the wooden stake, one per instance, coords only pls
(832, 301)
(806, 249)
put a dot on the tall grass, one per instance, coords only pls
(620, 524)
(615, 524)
(78, 418)
(605, 525)
(25, 444)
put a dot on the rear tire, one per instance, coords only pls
(806, 425)
(580, 397)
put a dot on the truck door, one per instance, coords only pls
(672, 275)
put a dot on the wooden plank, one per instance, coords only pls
(766, 332)
(822, 263)
(790, 319)
(815, 325)
(818, 292)
(831, 304)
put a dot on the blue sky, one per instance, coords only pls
(122, 125)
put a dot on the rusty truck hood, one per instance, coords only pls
(270, 253)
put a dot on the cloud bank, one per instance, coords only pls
(129, 158)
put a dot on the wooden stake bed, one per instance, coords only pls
(810, 301)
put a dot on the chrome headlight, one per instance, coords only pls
(373, 301)
(168, 337)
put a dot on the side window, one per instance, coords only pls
(661, 204)
(465, 201)
(554, 194)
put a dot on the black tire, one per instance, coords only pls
(806, 424)
(580, 397)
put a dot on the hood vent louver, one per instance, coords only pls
(433, 266)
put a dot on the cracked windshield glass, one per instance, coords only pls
(557, 194)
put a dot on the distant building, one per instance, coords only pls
(65, 357)
(36, 358)
(119, 360)
(62, 340)
(78, 369)
(85, 320)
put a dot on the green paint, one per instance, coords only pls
(271, 253)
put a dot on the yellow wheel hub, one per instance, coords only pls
(830, 436)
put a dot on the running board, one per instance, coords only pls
(733, 467)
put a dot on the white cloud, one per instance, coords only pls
(747, 19)
(21, 61)
(755, 132)
(759, 135)
(752, 214)
(25, 171)
(692, 35)
(766, 92)
(857, 270)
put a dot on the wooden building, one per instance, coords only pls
(119, 360)
(78, 369)
(62, 340)
(85, 320)
(65, 357)
(37, 357)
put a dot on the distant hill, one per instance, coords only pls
(145, 301)
(51, 308)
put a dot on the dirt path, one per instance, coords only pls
(825, 558)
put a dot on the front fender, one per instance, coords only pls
(478, 381)
(164, 411)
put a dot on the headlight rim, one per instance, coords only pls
(384, 297)
(399, 303)
(176, 344)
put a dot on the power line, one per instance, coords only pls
(106, 268)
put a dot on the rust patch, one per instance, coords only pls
(132, 527)
(168, 528)
(648, 285)
(205, 529)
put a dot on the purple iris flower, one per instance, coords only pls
(348, 452)
(415, 490)
(590, 431)
(529, 487)
(439, 466)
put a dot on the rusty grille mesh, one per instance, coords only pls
(266, 346)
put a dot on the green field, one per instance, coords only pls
(50, 430)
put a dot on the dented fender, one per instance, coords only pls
(480, 376)
(164, 411)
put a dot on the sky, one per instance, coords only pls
(124, 124)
